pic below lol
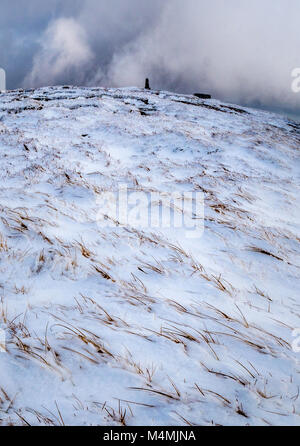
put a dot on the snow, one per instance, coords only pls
(112, 325)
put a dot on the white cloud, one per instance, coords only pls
(238, 50)
(64, 52)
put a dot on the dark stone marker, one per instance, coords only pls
(147, 85)
(202, 96)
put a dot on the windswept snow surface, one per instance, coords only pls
(122, 325)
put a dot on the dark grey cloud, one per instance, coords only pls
(239, 50)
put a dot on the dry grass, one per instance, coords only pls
(138, 308)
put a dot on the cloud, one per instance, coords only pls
(237, 50)
(242, 52)
(64, 54)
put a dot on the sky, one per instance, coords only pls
(240, 51)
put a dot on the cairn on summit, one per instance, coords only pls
(147, 84)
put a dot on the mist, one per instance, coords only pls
(239, 51)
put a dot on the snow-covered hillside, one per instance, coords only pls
(121, 325)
